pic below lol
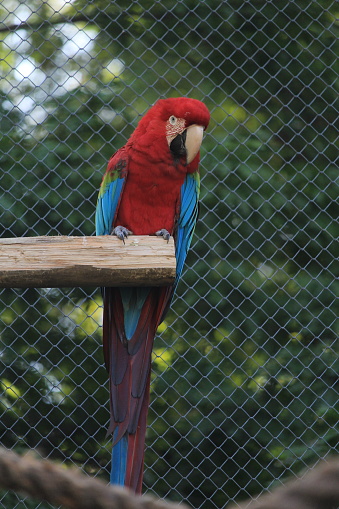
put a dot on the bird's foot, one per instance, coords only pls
(163, 233)
(121, 232)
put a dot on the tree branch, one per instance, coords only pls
(37, 24)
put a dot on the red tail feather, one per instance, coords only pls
(136, 446)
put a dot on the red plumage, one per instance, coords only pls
(154, 182)
(153, 175)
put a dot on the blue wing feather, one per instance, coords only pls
(107, 206)
(133, 300)
(110, 193)
(187, 219)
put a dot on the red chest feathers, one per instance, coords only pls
(150, 200)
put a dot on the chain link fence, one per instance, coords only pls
(245, 371)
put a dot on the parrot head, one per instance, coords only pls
(173, 128)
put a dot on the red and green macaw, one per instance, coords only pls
(151, 187)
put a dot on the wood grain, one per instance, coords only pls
(55, 262)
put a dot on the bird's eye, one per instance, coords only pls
(172, 120)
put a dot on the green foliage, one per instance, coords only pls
(245, 379)
(52, 375)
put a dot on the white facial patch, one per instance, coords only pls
(174, 126)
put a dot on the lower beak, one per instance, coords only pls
(193, 141)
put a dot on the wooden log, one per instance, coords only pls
(54, 262)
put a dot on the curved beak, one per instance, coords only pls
(193, 141)
(187, 143)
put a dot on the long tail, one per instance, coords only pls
(128, 453)
(131, 318)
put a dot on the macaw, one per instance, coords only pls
(151, 187)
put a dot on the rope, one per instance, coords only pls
(42, 480)
(318, 489)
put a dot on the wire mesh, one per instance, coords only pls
(245, 369)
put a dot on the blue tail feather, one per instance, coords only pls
(119, 460)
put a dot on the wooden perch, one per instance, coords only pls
(51, 262)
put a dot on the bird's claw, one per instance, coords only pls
(121, 232)
(163, 233)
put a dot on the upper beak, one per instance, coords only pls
(187, 143)
(193, 141)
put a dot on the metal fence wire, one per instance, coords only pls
(245, 372)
